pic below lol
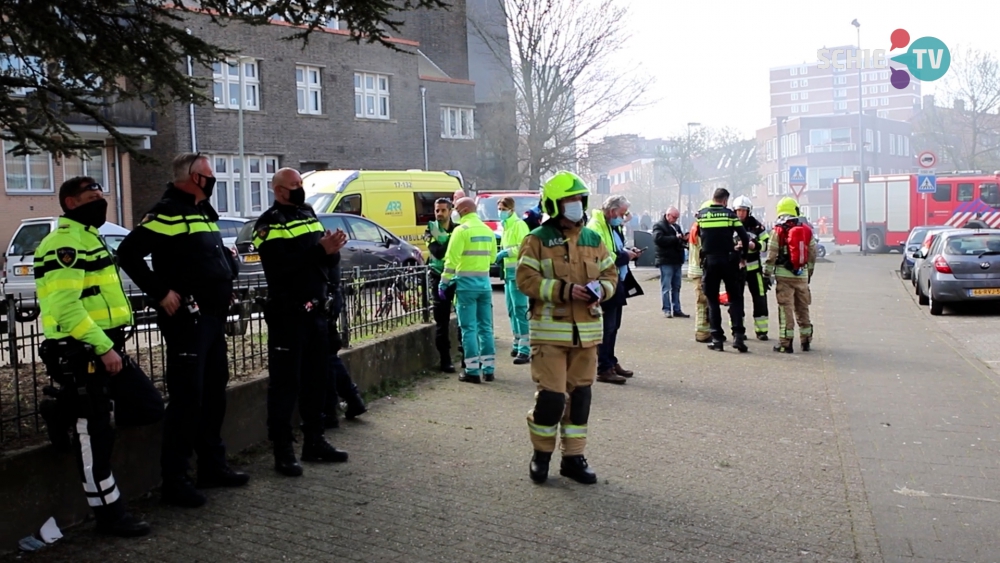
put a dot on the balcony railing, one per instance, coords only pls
(122, 113)
(832, 147)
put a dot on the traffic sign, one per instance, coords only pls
(927, 159)
(926, 183)
(796, 175)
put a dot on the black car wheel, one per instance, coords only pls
(937, 308)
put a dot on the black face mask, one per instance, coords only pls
(92, 214)
(209, 186)
(297, 196)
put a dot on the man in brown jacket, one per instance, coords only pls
(566, 271)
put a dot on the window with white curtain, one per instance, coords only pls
(92, 164)
(226, 84)
(371, 95)
(456, 123)
(27, 173)
(309, 89)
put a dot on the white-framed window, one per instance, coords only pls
(884, 88)
(226, 84)
(864, 103)
(93, 165)
(28, 173)
(795, 96)
(883, 113)
(840, 93)
(371, 95)
(906, 146)
(794, 71)
(885, 75)
(840, 80)
(795, 109)
(14, 66)
(230, 198)
(309, 89)
(804, 108)
(793, 144)
(839, 105)
(805, 95)
(802, 70)
(885, 101)
(457, 123)
(878, 143)
(804, 82)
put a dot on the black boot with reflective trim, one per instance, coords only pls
(576, 468)
(784, 349)
(762, 336)
(538, 469)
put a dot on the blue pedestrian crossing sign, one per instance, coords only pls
(926, 183)
(796, 175)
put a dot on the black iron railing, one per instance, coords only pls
(377, 301)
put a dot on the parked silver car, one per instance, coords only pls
(962, 266)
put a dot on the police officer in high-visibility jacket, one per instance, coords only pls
(437, 235)
(702, 330)
(791, 288)
(756, 281)
(566, 271)
(84, 311)
(471, 250)
(192, 286)
(514, 231)
(298, 256)
(717, 226)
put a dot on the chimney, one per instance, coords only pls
(928, 101)
(960, 105)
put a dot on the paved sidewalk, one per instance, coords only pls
(701, 456)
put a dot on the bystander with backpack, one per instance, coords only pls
(791, 257)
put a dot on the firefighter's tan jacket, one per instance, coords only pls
(551, 261)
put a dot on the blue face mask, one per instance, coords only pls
(616, 222)
(504, 215)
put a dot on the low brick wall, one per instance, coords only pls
(39, 482)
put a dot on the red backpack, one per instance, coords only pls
(795, 236)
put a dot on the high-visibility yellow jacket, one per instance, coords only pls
(552, 261)
(472, 248)
(514, 231)
(79, 289)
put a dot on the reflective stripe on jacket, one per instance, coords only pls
(552, 260)
(514, 231)
(472, 248)
(79, 289)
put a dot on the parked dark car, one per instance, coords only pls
(912, 244)
(961, 266)
(368, 245)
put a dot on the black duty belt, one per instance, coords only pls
(90, 291)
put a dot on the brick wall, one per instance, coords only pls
(442, 35)
(336, 137)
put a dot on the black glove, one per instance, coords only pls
(767, 283)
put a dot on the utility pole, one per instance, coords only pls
(861, 147)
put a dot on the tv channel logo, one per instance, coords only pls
(927, 59)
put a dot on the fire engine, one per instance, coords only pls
(893, 206)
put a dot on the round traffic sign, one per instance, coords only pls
(927, 159)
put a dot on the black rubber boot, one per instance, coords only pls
(716, 346)
(181, 492)
(805, 345)
(318, 449)
(447, 366)
(522, 359)
(762, 336)
(513, 353)
(576, 468)
(466, 378)
(488, 377)
(127, 526)
(538, 469)
(740, 343)
(284, 460)
(784, 349)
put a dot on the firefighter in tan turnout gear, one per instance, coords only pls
(791, 258)
(566, 271)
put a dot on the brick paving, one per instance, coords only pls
(868, 449)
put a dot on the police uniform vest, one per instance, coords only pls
(716, 227)
(79, 289)
(187, 253)
(296, 266)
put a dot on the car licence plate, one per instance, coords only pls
(984, 292)
(23, 270)
(251, 258)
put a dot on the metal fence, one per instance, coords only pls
(376, 302)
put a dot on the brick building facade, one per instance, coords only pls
(329, 104)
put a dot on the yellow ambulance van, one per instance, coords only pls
(402, 201)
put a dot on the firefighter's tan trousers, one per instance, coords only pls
(564, 375)
(794, 299)
(702, 332)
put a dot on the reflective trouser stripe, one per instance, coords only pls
(573, 431)
(760, 324)
(542, 431)
(98, 494)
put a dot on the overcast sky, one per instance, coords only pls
(710, 58)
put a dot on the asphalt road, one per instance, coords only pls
(879, 445)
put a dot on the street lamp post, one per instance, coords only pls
(688, 157)
(861, 148)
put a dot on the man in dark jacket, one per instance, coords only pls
(670, 244)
